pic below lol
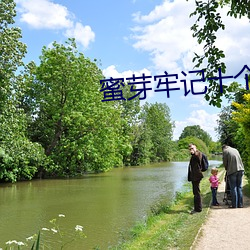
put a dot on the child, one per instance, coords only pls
(214, 185)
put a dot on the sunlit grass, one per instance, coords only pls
(170, 226)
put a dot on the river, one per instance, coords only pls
(105, 204)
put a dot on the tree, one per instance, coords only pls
(215, 147)
(19, 157)
(130, 110)
(229, 130)
(12, 50)
(227, 127)
(141, 145)
(157, 128)
(78, 131)
(208, 23)
(184, 142)
(196, 131)
(242, 116)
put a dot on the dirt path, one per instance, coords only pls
(225, 228)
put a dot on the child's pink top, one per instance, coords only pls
(214, 181)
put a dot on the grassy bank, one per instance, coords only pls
(170, 227)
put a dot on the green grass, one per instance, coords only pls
(246, 188)
(170, 226)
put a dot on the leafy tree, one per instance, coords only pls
(141, 144)
(12, 50)
(130, 110)
(179, 154)
(196, 131)
(207, 24)
(215, 147)
(78, 131)
(19, 157)
(227, 127)
(157, 126)
(183, 144)
(229, 130)
(242, 116)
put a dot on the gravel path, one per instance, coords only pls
(225, 228)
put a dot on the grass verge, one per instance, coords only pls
(170, 226)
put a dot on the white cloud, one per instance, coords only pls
(165, 33)
(208, 122)
(234, 41)
(159, 12)
(44, 14)
(83, 34)
(111, 71)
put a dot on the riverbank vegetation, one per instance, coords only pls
(170, 226)
(54, 122)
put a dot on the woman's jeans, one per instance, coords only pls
(214, 196)
(235, 182)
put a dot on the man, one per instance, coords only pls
(195, 175)
(235, 170)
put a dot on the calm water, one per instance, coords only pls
(104, 204)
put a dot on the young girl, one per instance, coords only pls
(214, 185)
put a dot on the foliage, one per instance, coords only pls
(12, 50)
(207, 24)
(141, 144)
(78, 131)
(227, 127)
(170, 226)
(196, 131)
(242, 116)
(155, 133)
(20, 158)
(201, 146)
(179, 154)
(232, 125)
(215, 147)
(130, 110)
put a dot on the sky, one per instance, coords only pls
(129, 37)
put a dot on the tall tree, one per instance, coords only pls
(227, 127)
(78, 131)
(12, 51)
(157, 125)
(19, 158)
(196, 131)
(229, 130)
(184, 142)
(242, 116)
(129, 115)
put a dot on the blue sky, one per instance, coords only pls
(134, 37)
